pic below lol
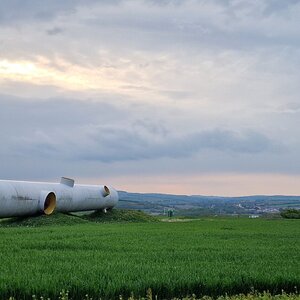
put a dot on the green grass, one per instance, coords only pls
(212, 256)
(64, 295)
(115, 215)
(43, 220)
(120, 215)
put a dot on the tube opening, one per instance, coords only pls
(49, 204)
(105, 191)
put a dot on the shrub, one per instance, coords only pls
(290, 213)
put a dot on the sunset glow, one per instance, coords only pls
(69, 77)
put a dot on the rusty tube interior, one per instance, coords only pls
(50, 204)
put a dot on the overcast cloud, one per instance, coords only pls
(126, 90)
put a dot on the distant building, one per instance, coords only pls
(254, 216)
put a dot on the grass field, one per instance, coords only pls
(212, 256)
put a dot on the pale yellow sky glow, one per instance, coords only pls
(21, 68)
(126, 79)
(67, 76)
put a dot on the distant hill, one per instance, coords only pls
(207, 205)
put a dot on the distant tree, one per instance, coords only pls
(290, 213)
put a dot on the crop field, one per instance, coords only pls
(211, 256)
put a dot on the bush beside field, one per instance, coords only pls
(290, 213)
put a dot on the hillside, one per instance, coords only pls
(58, 219)
(207, 205)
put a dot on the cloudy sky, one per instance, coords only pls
(182, 96)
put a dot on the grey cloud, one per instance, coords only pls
(53, 113)
(12, 11)
(17, 11)
(172, 94)
(241, 142)
(111, 143)
(64, 136)
(66, 129)
(217, 23)
(202, 22)
(167, 28)
(278, 6)
(290, 108)
(54, 31)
